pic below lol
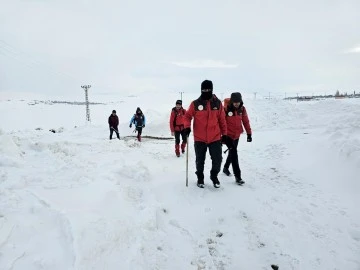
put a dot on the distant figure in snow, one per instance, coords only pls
(138, 120)
(113, 124)
(236, 117)
(177, 127)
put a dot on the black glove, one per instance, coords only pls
(187, 131)
(227, 141)
(130, 125)
(249, 138)
(143, 126)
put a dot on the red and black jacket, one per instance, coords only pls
(177, 119)
(236, 118)
(209, 119)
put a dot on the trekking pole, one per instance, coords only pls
(187, 161)
(115, 131)
(226, 151)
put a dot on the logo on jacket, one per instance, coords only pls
(230, 114)
(200, 107)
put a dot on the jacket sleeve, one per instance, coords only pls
(171, 121)
(190, 113)
(144, 120)
(222, 120)
(246, 121)
(117, 121)
(132, 120)
(109, 121)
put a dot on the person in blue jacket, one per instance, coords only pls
(138, 120)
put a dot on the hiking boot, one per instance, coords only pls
(216, 181)
(183, 147)
(239, 181)
(200, 185)
(200, 181)
(177, 150)
(226, 171)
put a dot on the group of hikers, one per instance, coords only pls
(138, 120)
(214, 124)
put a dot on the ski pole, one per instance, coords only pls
(115, 131)
(226, 151)
(187, 160)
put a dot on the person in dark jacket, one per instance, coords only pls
(177, 127)
(236, 119)
(113, 124)
(209, 130)
(138, 120)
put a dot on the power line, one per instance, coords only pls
(10, 51)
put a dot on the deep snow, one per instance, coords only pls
(75, 200)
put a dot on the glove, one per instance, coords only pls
(187, 131)
(249, 138)
(130, 125)
(227, 141)
(143, 126)
(172, 133)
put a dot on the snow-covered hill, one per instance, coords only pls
(75, 200)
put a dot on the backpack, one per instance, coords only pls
(226, 102)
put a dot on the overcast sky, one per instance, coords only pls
(120, 46)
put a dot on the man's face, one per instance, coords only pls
(178, 106)
(114, 113)
(236, 104)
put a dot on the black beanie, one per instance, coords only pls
(178, 102)
(114, 111)
(236, 97)
(207, 85)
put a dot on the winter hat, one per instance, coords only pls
(113, 111)
(236, 97)
(138, 110)
(207, 85)
(178, 102)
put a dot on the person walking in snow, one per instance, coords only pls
(177, 127)
(113, 124)
(138, 120)
(236, 119)
(209, 130)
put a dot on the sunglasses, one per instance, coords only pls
(206, 90)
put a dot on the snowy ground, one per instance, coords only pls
(75, 200)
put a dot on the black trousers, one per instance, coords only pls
(233, 159)
(177, 136)
(215, 154)
(112, 131)
(139, 130)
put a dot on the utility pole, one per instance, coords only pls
(86, 87)
(181, 95)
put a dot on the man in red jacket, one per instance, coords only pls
(236, 118)
(113, 124)
(209, 130)
(177, 127)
